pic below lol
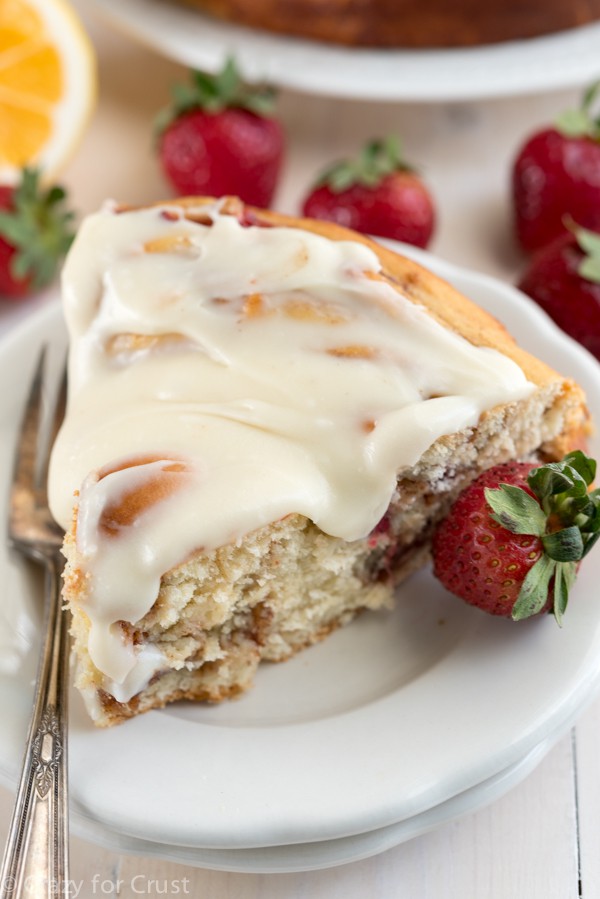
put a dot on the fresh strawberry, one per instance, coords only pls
(512, 541)
(219, 138)
(564, 278)
(35, 233)
(376, 194)
(557, 173)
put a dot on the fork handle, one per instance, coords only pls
(36, 859)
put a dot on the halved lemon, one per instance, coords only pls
(47, 85)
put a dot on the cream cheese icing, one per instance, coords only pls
(222, 377)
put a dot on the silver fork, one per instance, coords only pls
(36, 856)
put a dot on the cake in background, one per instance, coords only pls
(406, 23)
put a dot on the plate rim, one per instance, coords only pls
(297, 857)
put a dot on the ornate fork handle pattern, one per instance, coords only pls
(35, 862)
(46, 754)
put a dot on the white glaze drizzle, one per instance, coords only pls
(298, 383)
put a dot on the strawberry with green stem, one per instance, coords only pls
(378, 193)
(219, 137)
(557, 173)
(564, 279)
(36, 230)
(513, 540)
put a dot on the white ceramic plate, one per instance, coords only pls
(323, 854)
(568, 59)
(388, 718)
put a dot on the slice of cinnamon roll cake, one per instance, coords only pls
(267, 417)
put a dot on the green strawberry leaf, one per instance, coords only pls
(580, 509)
(214, 93)
(202, 82)
(20, 266)
(549, 480)
(228, 80)
(584, 465)
(590, 96)
(39, 227)
(573, 123)
(590, 543)
(56, 194)
(562, 585)
(565, 545)
(10, 227)
(581, 122)
(261, 104)
(184, 96)
(589, 243)
(533, 595)
(377, 160)
(590, 270)
(340, 178)
(516, 510)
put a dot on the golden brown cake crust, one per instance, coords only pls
(406, 23)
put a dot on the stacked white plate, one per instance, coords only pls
(392, 726)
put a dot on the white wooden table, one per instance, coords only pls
(541, 840)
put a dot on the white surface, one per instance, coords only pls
(428, 674)
(540, 64)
